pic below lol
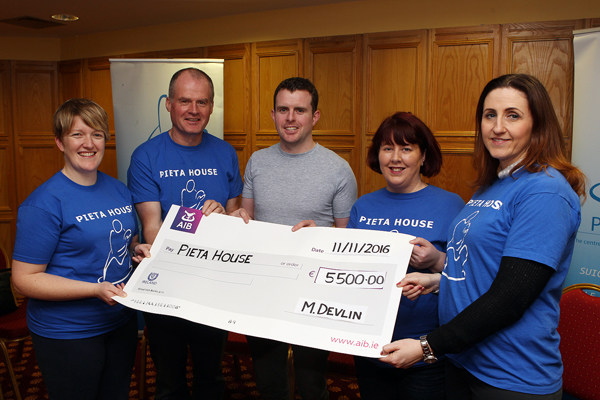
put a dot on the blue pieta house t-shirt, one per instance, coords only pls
(82, 233)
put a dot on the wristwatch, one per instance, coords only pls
(428, 355)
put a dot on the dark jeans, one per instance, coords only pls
(269, 358)
(169, 338)
(378, 382)
(462, 385)
(98, 367)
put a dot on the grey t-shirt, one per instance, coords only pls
(288, 188)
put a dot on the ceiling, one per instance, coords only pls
(109, 15)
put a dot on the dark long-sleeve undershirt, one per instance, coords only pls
(517, 285)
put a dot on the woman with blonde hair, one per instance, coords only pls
(75, 233)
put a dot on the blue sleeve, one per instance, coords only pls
(235, 181)
(139, 178)
(542, 226)
(38, 233)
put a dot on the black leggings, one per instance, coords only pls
(462, 385)
(97, 368)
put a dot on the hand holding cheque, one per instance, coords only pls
(327, 288)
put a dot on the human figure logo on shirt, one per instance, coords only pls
(192, 198)
(457, 248)
(119, 240)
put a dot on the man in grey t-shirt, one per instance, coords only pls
(295, 180)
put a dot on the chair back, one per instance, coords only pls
(579, 330)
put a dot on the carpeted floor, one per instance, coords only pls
(238, 386)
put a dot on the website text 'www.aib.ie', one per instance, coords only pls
(356, 343)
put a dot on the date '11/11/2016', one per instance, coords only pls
(360, 248)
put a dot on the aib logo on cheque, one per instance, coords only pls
(187, 220)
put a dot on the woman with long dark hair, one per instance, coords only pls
(508, 254)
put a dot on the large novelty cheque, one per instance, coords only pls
(328, 288)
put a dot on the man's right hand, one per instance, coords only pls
(241, 213)
(307, 223)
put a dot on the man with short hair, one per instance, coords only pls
(185, 166)
(292, 181)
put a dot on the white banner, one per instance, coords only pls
(140, 88)
(328, 288)
(585, 266)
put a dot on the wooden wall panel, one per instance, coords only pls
(333, 73)
(7, 178)
(196, 52)
(334, 65)
(35, 98)
(42, 160)
(545, 50)
(394, 80)
(272, 62)
(6, 167)
(8, 198)
(456, 175)
(395, 64)
(237, 101)
(392, 83)
(463, 60)
(70, 80)
(547, 60)
(145, 54)
(370, 181)
(7, 235)
(5, 101)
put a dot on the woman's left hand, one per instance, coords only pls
(106, 290)
(212, 206)
(402, 353)
(417, 284)
(141, 251)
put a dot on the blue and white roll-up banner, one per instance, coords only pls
(139, 90)
(585, 266)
